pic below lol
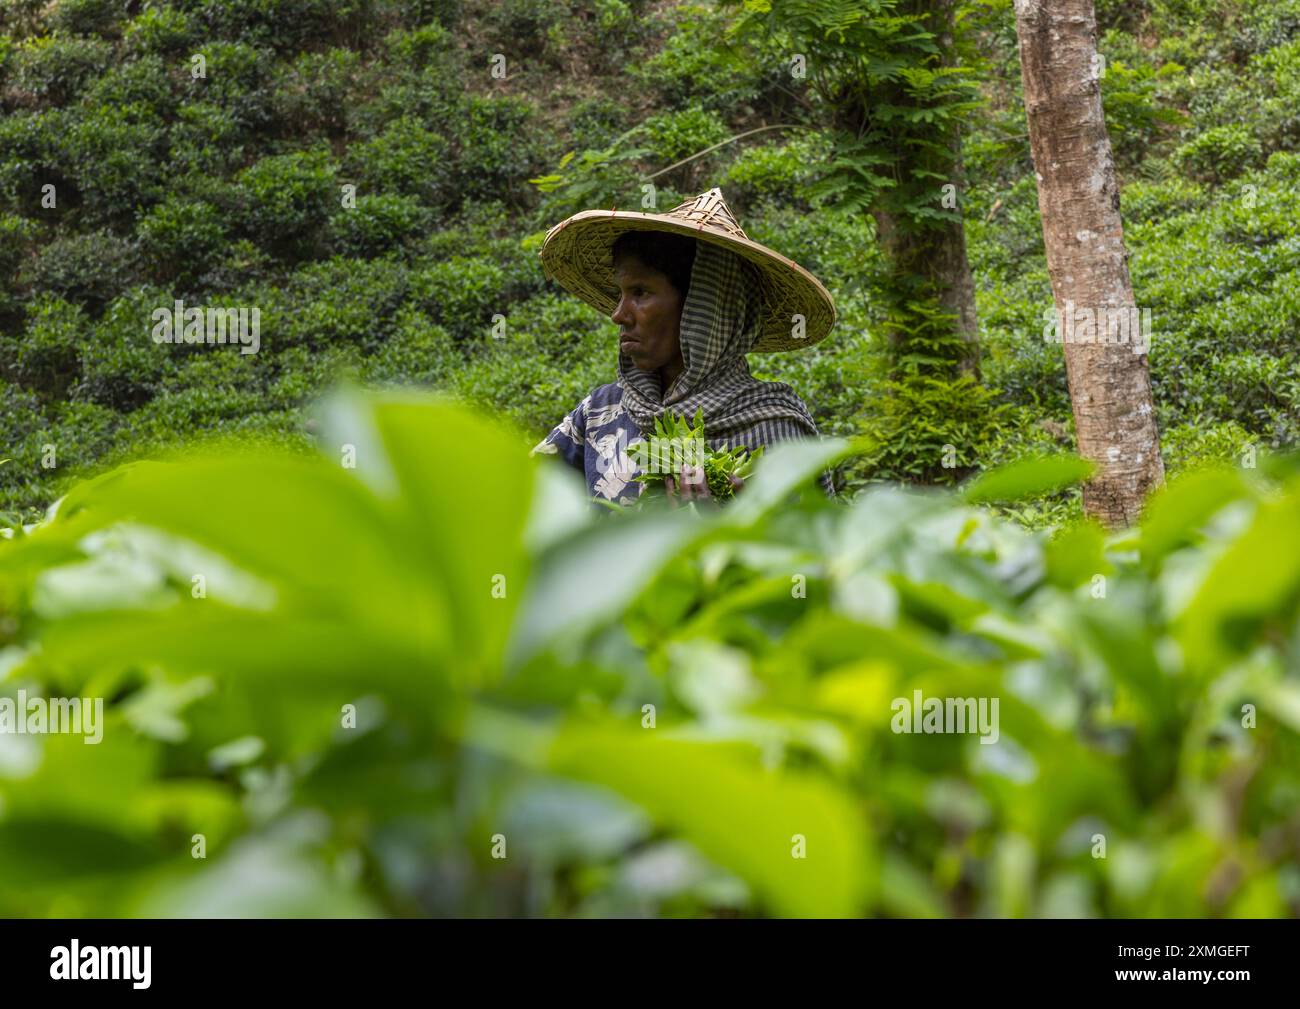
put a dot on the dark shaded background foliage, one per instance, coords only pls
(228, 190)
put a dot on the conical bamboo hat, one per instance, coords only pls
(577, 254)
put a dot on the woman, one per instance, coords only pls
(691, 295)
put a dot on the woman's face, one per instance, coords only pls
(648, 314)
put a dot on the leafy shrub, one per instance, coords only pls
(1254, 390)
(15, 238)
(674, 135)
(164, 31)
(931, 429)
(207, 141)
(431, 96)
(1220, 153)
(522, 23)
(1135, 115)
(178, 237)
(113, 155)
(287, 24)
(406, 159)
(86, 17)
(1278, 121)
(498, 146)
(143, 82)
(472, 234)
(240, 263)
(772, 170)
(53, 69)
(610, 31)
(552, 353)
(47, 452)
(22, 429)
(287, 201)
(1199, 444)
(418, 48)
(378, 224)
(80, 433)
(121, 366)
(303, 373)
(1125, 14)
(89, 269)
(462, 294)
(23, 18)
(416, 352)
(234, 80)
(1144, 201)
(443, 12)
(1267, 26)
(46, 356)
(692, 68)
(197, 408)
(312, 95)
(15, 233)
(596, 122)
(342, 301)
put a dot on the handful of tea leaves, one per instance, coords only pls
(677, 443)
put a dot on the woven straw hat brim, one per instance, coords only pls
(577, 251)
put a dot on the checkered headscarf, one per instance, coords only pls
(719, 326)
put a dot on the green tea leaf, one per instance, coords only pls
(1028, 478)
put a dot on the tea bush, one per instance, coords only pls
(164, 31)
(229, 185)
(90, 269)
(407, 159)
(178, 236)
(286, 201)
(311, 95)
(674, 135)
(1219, 154)
(725, 728)
(86, 17)
(378, 225)
(121, 367)
(497, 146)
(46, 357)
(54, 69)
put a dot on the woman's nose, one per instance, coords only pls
(621, 314)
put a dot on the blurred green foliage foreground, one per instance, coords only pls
(500, 644)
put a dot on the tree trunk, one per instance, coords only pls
(1078, 198)
(938, 255)
(937, 252)
(951, 266)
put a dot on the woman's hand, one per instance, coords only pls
(691, 485)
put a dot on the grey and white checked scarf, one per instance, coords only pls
(719, 326)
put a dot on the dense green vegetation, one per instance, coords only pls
(502, 703)
(228, 189)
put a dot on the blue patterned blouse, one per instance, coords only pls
(595, 438)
